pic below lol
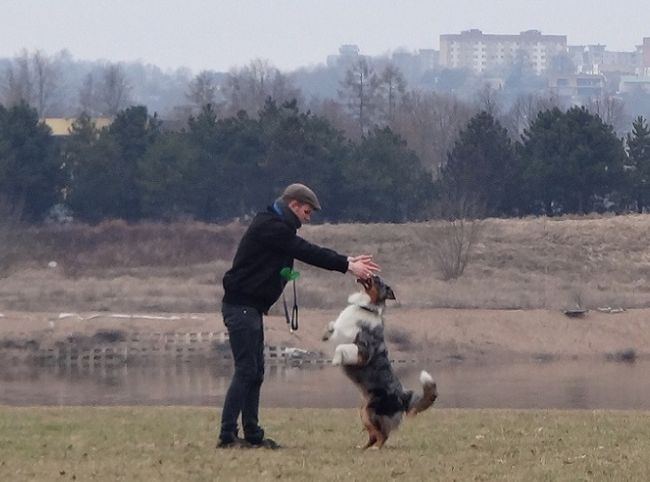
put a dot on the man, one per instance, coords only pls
(252, 285)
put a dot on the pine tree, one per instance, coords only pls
(573, 162)
(480, 169)
(638, 163)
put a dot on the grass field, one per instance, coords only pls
(177, 444)
(523, 264)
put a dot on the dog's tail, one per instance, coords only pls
(419, 403)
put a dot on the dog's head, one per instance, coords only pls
(377, 289)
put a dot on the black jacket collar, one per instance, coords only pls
(280, 208)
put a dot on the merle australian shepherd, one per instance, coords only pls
(358, 334)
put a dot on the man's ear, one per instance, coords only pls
(294, 205)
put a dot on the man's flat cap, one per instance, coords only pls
(301, 193)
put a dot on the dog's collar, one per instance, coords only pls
(362, 300)
(371, 309)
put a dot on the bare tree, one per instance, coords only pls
(457, 233)
(359, 90)
(88, 101)
(611, 110)
(391, 87)
(31, 78)
(18, 83)
(430, 123)
(487, 99)
(524, 110)
(114, 90)
(335, 113)
(45, 72)
(203, 89)
(248, 88)
(453, 247)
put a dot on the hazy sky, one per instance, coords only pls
(220, 34)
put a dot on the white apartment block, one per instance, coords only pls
(645, 56)
(595, 60)
(481, 52)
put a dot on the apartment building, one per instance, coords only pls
(577, 86)
(348, 54)
(595, 60)
(472, 49)
(644, 52)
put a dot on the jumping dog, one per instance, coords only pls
(358, 335)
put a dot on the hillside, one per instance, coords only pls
(516, 264)
(522, 275)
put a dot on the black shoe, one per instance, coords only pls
(265, 443)
(236, 443)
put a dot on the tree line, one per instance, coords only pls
(426, 106)
(219, 169)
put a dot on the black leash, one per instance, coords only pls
(293, 320)
(290, 275)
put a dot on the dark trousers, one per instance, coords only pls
(244, 325)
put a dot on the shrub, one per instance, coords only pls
(453, 247)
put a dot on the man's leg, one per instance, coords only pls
(250, 410)
(244, 328)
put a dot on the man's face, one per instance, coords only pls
(301, 210)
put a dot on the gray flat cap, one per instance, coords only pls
(301, 193)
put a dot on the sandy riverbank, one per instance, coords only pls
(412, 333)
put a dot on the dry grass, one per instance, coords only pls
(516, 263)
(178, 444)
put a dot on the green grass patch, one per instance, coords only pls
(179, 444)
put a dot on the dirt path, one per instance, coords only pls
(434, 334)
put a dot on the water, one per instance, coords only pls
(555, 385)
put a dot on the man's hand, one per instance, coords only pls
(362, 266)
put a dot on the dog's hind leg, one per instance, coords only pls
(371, 441)
(383, 430)
(377, 438)
(380, 441)
(374, 433)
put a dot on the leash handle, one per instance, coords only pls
(294, 311)
(293, 320)
(289, 274)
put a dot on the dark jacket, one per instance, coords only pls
(269, 244)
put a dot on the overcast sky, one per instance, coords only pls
(220, 34)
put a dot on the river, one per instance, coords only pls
(533, 385)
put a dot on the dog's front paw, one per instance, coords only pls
(338, 358)
(346, 355)
(329, 330)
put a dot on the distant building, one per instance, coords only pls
(429, 59)
(595, 59)
(577, 87)
(348, 54)
(645, 55)
(62, 126)
(472, 49)
(630, 84)
(414, 64)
